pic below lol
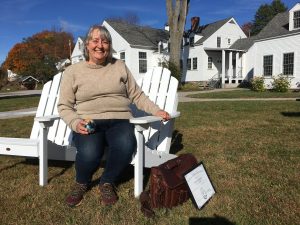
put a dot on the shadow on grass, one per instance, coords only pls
(176, 144)
(65, 165)
(291, 114)
(10, 166)
(216, 220)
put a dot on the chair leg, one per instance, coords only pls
(139, 164)
(43, 157)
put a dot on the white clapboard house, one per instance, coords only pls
(275, 50)
(218, 54)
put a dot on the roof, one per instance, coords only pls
(207, 30)
(28, 77)
(278, 26)
(139, 36)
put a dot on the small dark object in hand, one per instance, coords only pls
(90, 126)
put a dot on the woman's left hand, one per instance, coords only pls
(163, 114)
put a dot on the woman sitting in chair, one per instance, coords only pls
(94, 102)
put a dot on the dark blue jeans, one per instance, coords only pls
(115, 134)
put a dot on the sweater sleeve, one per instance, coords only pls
(138, 97)
(66, 103)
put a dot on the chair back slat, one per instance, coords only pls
(40, 109)
(51, 105)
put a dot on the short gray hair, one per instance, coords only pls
(104, 33)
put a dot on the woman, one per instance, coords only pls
(101, 88)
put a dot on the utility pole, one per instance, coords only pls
(70, 48)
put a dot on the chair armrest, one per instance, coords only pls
(151, 119)
(46, 118)
(46, 121)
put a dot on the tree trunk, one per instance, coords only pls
(177, 12)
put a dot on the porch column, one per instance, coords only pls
(230, 69)
(237, 67)
(242, 64)
(223, 69)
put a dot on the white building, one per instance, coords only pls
(275, 50)
(218, 53)
(207, 52)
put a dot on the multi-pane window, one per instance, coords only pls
(194, 63)
(209, 62)
(188, 63)
(122, 56)
(268, 65)
(297, 19)
(192, 41)
(228, 41)
(218, 42)
(142, 62)
(288, 63)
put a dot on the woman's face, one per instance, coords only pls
(98, 48)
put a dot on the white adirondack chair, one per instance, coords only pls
(51, 139)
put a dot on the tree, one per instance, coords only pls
(37, 55)
(177, 11)
(247, 28)
(129, 17)
(265, 14)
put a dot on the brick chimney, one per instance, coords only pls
(195, 23)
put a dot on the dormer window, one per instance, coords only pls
(296, 19)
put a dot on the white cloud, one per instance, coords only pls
(71, 27)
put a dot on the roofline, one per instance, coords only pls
(143, 47)
(225, 49)
(280, 36)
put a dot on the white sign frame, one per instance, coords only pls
(200, 185)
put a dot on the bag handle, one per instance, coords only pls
(173, 164)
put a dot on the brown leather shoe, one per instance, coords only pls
(108, 194)
(76, 195)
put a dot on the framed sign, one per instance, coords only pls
(200, 185)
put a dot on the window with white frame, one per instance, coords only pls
(288, 63)
(219, 42)
(122, 56)
(195, 63)
(188, 64)
(142, 62)
(268, 65)
(297, 19)
(209, 62)
(228, 41)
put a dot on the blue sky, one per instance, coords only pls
(22, 18)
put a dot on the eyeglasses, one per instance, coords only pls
(100, 41)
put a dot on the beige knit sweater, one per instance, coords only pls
(100, 92)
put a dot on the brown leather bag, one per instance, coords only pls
(168, 187)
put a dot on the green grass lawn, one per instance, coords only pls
(251, 151)
(246, 93)
(8, 104)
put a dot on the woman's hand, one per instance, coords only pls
(80, 128)
(163, 114)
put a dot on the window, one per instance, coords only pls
(188, 62)
(122, 56)
(228, 41)
(194, 63)
(209, 62)
(268, 65)
(297, 19)
(218, 42)
(288, 64)
(161, 47)
(192, 41)
(142, 62)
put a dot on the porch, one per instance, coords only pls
(230, 67)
